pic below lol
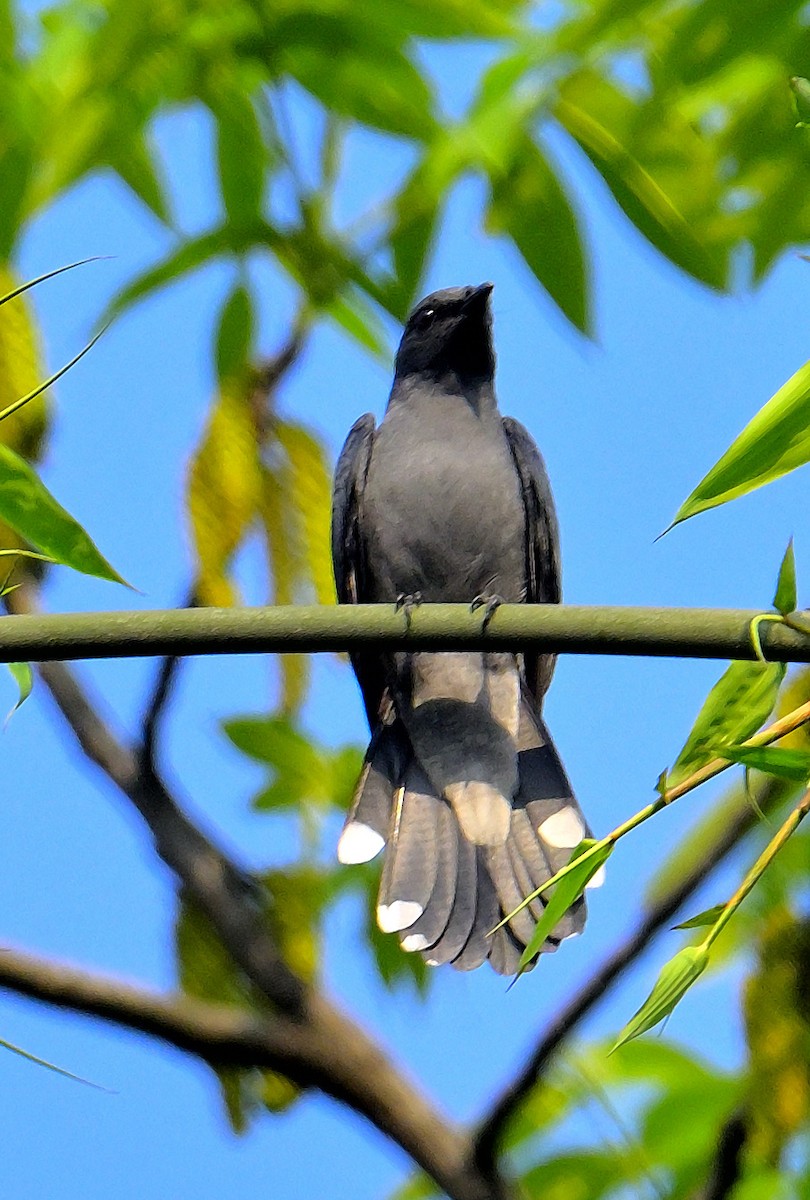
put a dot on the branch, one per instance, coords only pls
(325, 1048)
(568, 1020)
(557, 628)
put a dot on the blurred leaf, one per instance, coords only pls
(133, 160)
(234, 336)
(30, 509)
(659, 170)
(563, 895)
(311, 484)
(223, 491)
(772, 760)
(285, 553)
(418, 1187)
(586, 1175)
(302, 770)
(207, 971)
(801, 99)
(23, 676)
(777, 1026)
(241, 157)
(785, 600)
(528, 203)
(707, 917)
(21, 368)
(361, 323)
(298, 895)
(774, 442)
(675, 979)
(735, 708)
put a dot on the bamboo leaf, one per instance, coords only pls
(785, 598)
(735, 708)
(672, 984)
(32, 512)
(23, 676)
(707, 917)
(773, 443)
(43, 1062)
(771, 760)
(564, 893)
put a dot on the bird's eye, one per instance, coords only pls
(425, 318)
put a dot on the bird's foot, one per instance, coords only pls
(407, 603)
(490, 605)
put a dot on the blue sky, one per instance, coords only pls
(627, 424)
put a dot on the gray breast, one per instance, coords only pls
(442, 511)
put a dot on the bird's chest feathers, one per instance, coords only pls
(443, 504)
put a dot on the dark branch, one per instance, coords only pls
(557, 628)
(325, 1049)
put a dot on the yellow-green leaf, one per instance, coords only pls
(707, 917)
(734, 709)
(672, 984)
(771, 760)
(223, 492)
(23, 676)
(564, 893)
(774, 442)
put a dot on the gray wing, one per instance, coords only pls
(542, 542)
(349, 551)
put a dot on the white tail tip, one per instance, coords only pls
(359, 843)
(400, 914)
(563, 829)
(414, 941)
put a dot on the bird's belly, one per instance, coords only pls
(450, 526)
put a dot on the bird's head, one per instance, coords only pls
(449, 333)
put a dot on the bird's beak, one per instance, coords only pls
(478, 298)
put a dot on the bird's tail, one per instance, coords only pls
(465, 788)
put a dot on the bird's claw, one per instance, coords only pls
(490, 605)
(407, 603)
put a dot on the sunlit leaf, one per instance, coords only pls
(23, 676)
(241, 157)
(359, 320)
(774, 442)
(223, 491)
(32, 512)
(772, 760)
(801, 99)
(785, 600)
(735, 708)
(672, 984)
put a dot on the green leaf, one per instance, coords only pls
(801, 99)
(359, 320)
(23, 676)
(528, 203)
(241, 158)
(775, 442)
(785, 599)
(707, 917)
(569, 888)
(33, 513)
(771, 760)
(735, 708)
(234, 335)
(672, 984)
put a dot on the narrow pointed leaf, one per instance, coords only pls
(785, 600)
(707, 917)
(734, 709)
(774, 442)
(23, 676)
(672, 984)
(569, 888)
(772, 760)
(18, 291)
(43, 1062)
(42, 387)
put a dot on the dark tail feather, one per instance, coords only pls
(465, 902)
(487, 915)
(427, 931)
(365, 831)
(409, 873)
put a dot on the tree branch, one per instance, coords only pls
(492, 1127)
(557, 628)
(325, 1048)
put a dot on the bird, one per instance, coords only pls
(447, 501)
